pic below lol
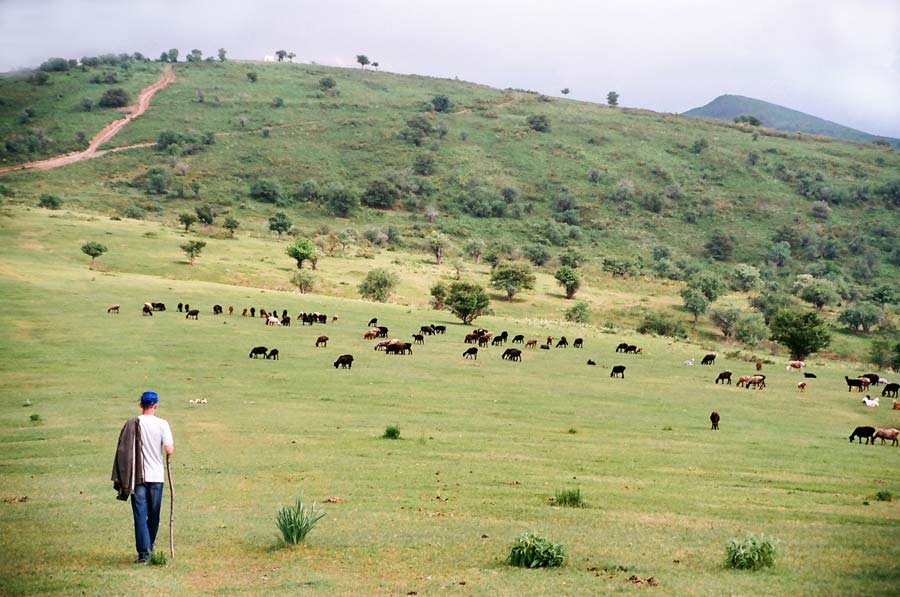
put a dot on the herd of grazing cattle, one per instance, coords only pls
(483, 338)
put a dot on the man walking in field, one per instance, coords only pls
(138, 471)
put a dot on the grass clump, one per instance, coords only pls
(158, 558)
(296, 522)
(750, 553)
(533, 551)
(884, 496)
(35, 418)
(570, 498)
(391, 432)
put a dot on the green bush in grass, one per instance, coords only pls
(296, 522)
(750, 553)
(570, 498)
(391, 432)
(533, 551)
(158, 558)
(884, 496)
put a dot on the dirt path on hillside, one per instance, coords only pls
(106, 133)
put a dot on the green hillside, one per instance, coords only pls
(729, 107)
(365, 166)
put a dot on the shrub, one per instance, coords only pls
(424, 164)
(441, 103)
(266, 190)
(252, 76)
(533, 551)
(537, 254)
(751, 553)
(378, 284)
(699, 145)
(48, 201)
(662, 325)
(340, 200)
(380, 194)
(277, 102)
(620, 266)
(820, 210)
(133, 212)
(304, 280)
(720, 246)
(884, 495)
(539, 123)
(391, 432)
(35, 418)
(114, 98)
(570, 498)
(326, 83)
(295, 523)
(578, 313)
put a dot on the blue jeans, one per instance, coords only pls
(145, 505)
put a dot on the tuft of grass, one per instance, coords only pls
(572, 430)
(296, 522)
(570, 498)
(158, 558)
(533, 551)
(35, 418)
(750, 553)
(391, 432)
(884, 496)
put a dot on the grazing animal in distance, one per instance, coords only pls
(344, 361)
(563, 343)
(531, 343)
(743, 380)
(512, 354)
(322, 341)
(231, 309)
(258, 350)
(856, 383)
(147, 310)
(889, 433)
(419, 338)
(618, 371)
(621, 347)
(180, 307)
(371, 334)
(873, 378)
(890, 390)
(689, 362)
(192, 314)
(272, 320)
(252, 311)
(471, 353)
(590, 362)
(372, 322)
(809, 375)
(757, 381)
(273, 354)
(714, 419)
(518, 339)
(187, 307)
(545, 347)
(863, 432)
(632, 349)
(795, 365)
(427, 330)
(895, 405)
(382, 331)
(244, 314)
(759, 365)
(440, 329)
(801, 386)
(709, 359)
(158, 306)
(286, 321)
(217, 309)
(724, 376)
(870, 402)
(579, 343)
(113, 309)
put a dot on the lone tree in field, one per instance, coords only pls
(378, 284)
(187, 220)
(231, 224)
(441, 103)
(511, 278)
(437, 242)
(695, 302)
(93, 249)
(565, 91)
(304, 281)
(363, 60)
(280, 223)
(193, 249)
(568, 279)
(612, 98)
(302, 250)
(801, 333)
(222, 54)
(467, 301)
(375, 65)
(281, 54)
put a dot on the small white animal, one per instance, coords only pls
(198, 401)
(689, 362)
(870, 402)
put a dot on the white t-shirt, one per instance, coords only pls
(155, 433)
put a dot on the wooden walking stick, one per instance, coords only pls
(171, 511)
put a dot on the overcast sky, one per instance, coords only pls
(836, 59)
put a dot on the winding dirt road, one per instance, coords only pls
(106, 133)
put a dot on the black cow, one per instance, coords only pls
(147, 310)
(518, 339)
(373, 322)
(418, 338)
(187, 307)
(890, 390)
(873, 378)
(562, 342)
(497, 341)
(579, 342)
(632, 349)
(180, 307)
(217, 309)
(591, 362)
(286, 321)
(192, 314)
(471, 353)
(512, 354)
(618, 371)
(273, 354)
(158, 306)
(863, 432)
(258, 350)
(439, 329)
(427, 330)
(809, 375)
(621, 347)
(382, 332)
(252, 311)
(345, 360)
(856, 383)
(714, 418)
(709, 359)
(723, 377)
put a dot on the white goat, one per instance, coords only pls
(870, 402)
(689, 362)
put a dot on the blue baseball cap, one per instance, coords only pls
(149, 398)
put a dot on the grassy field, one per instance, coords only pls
(483, 445)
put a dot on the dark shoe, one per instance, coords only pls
(141, 560)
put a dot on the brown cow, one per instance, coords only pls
(322, 341)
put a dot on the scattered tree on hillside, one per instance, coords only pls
(49, 201)
(720, 246)
(114, 98)
(802, 333)
(340, 200)
(748, 119)
(726, 318)
(769, 303)
(439, 294)
(467, 301)
(380, 194)
(231, 224)
(751, 328)
(819, 292)
(539, 122)
(375, 65)
(537, 254)
(302, 250)
(327, 83)
(568, 278)
(578, 313)
(304, 280)
(281, 54)
(695, 302)
(252, 76)
(193, 249)
(195, 56)
(612, 98)
(266, 190)
(437, 242)
(441, 103)
(431, 212)
(206, 214)
(93, 250)
(222, 54)
(424, 164)
(474, 249)
(565, 91)
(280, 223)
(195, 189)
(172, 55)
(883, 295)
(886, 354)
(363, 60)
(291, 56)
(187, 220)
(38, 78)
(708, 283)
(512, 278)
(862, 315)
(378, 284)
